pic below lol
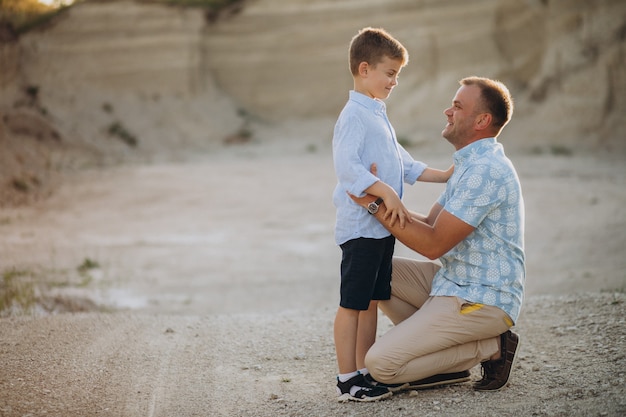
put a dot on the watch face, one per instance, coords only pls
(372, 208)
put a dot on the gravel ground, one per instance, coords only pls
(177, 290)
(572, 362)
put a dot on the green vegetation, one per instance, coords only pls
(560, 150)
(87, 265)
(118, 130)
(24, 15)
(32, 91)
(84, 270)
(26, 291)
(25, 183)
(404, 141)
(17, 291)
(211, 4)
(556, 150)
(107, 108)
(20, 185)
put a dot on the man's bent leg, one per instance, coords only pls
(411, 283)
(445, 335)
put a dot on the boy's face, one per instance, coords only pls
(378, 81)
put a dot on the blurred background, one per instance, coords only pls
(201, 132)
(96, 82)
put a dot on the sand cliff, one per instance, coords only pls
(165, 80)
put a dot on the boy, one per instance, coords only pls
(363, 136)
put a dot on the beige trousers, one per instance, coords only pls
(432, 335)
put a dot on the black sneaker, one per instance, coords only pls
(364, 392)
(391, 387)
(440, 380)
(496, 373)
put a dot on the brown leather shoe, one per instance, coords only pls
(496, 373)
(440, 380)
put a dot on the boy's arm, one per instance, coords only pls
(418, 216)
(430, 217)
(395, 208)
(436, 175)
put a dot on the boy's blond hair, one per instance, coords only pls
(371, 45)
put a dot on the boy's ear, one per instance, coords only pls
(363, 68)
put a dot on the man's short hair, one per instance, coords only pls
(496, 99)
(372, 45)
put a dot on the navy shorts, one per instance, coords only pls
(366, 271)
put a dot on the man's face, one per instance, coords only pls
(461, 116)
(382, 78)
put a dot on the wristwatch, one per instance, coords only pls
(372, 207)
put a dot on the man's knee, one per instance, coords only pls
(379, 366)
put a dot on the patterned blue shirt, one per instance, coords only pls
(487, 267)
(363, 135)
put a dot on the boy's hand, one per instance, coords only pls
(396, 211)
(395, 208)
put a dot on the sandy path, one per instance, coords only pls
(224, 271)
(281, 364)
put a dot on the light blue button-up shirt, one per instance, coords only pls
(362, 136)
(487, 267)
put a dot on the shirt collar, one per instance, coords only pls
(375, 105)
(473, 149)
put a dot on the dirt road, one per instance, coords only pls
(212, 286)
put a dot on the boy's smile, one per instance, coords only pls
(378, 81)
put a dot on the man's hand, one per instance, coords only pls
(374, 169)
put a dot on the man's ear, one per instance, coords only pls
(483, 121)
(363, 69)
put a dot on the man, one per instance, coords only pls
(452, 317)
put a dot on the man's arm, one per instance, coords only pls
(432, 238)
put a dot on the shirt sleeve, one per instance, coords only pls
(348, 143)
(475, 195)
(412, 168)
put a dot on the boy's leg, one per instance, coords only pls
(345, 333)
(353, 323)
(366, 275)
(353, 387)
(366, 332)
